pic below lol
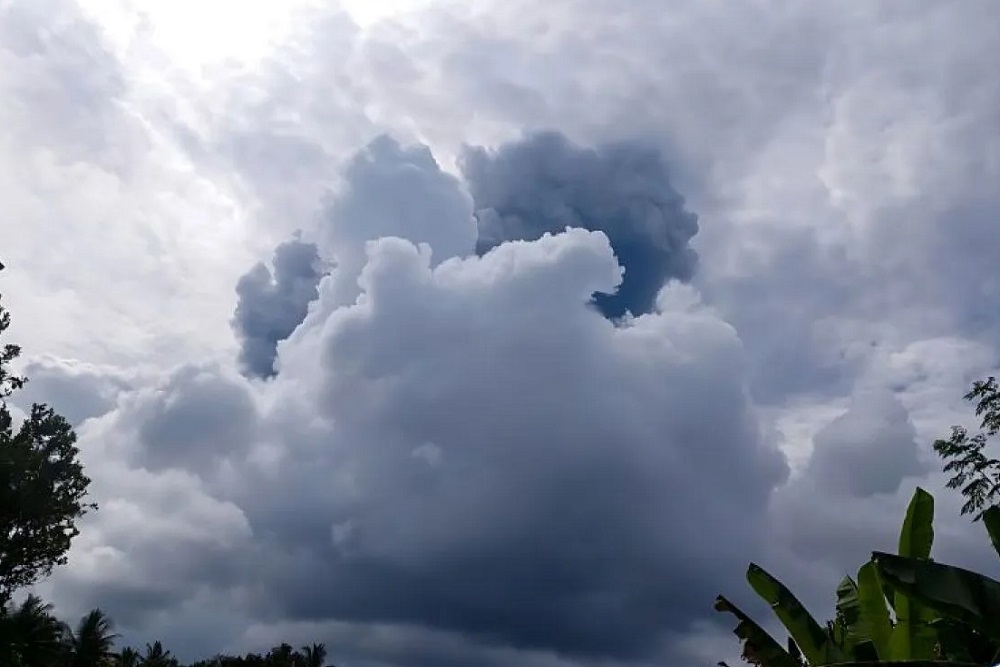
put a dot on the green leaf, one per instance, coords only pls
(758, 646)
(951, 591)
(873, 610)
(991, 518)
(813, 641)
(846, 631)
(912, 638)
(848, 605)
(917, 535)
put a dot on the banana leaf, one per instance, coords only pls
(951, 591)
(814, 642)
(991, 518)
(873, 620)
(848, 604)
(758, 646)
(912, 638)
(917, 535)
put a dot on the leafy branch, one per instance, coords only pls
(974, 473)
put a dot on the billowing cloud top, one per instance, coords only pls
(544, 183)
(271, 306)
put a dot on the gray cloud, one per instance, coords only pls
(271, 305)
(391, 189)
(868, 450)
(465, 447)
(861, 455)
(196, 418)
(76, 391)
(544, 183)
(531, 527)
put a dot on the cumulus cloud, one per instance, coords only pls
(197, 417)
(465, 446)
(867, 450)
(393, 190)
(864, 462)
(543, 183)
(78, 391)
(271, 305)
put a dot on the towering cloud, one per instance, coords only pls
(455, 443)
(393, 190)
(543, 183)
(868, 450)
(270, 305)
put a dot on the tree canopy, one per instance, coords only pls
(974, 474)
(42, 484)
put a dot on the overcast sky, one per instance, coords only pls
(492, 332)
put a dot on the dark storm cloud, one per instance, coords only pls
(543, 183)
(272, 304)
(451, 496)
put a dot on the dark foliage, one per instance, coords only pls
(974, 473)
(42, 485)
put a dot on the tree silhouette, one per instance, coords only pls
(42, 485)
(314, 655)
(30, 636)
(157, 656)
(128, 657)
(91, 644)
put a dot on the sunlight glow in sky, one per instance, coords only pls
(199, 33)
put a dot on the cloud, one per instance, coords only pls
(65, 79)
(867, 450)
(544, 183)
(861, 461)
(160, 535)
(92, 184)
(196, 418)
(465, 446)
(78, 391)
(270, 306)
(577, 505)
(393, 190)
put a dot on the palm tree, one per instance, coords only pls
(283, 655)
(156, 656)
(315, 655)
(31, 634)
(128, 657)
(93, 642)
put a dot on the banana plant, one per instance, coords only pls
(874, 622)
(862, 627)
(967, 603)
(913, 636)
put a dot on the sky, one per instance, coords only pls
(493, 333)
